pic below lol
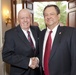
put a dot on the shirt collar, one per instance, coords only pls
(54, 29)
(28, 30)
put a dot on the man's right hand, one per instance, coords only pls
(34, 62)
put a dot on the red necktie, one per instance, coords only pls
(30, 40)
(47, 54)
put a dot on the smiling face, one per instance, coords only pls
(51, 17)
(24, 18)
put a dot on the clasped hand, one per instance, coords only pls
(34, 62)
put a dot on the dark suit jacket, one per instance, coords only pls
(63, 55)
(17, 51)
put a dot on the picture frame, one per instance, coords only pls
(72, 18)
(72, 4)
(32, 18)
(29, 5)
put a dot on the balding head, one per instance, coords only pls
(23, 11)
(24, 18)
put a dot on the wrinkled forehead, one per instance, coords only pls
(24, 12)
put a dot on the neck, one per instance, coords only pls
(52, 26)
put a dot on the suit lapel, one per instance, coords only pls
(35, 38)
(57, 41)
(41, 42)
(34, 35)
(21, 35)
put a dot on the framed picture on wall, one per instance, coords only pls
(72, 4)
(29, 5)
(32, 18)
(72, 19)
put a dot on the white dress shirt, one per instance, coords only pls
(45, 39)
(26, 34)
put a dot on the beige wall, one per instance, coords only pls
(1, 64)
(4, 4)
(1, 67)
(0, 26)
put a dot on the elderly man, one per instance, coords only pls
(20, 48)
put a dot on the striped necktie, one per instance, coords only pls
(30, 40)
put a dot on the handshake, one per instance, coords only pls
(34, 62)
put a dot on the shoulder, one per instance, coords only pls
(43, 31)
(35, 28)
(11, 31)
(66, 28)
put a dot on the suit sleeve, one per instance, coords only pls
(9, 56)
(73, 53)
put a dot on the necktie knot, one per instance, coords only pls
(28, 32)
(50, 32)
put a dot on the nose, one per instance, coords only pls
(48, 17)
(25, 19)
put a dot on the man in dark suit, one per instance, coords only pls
(62, 51)
(18, 50)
